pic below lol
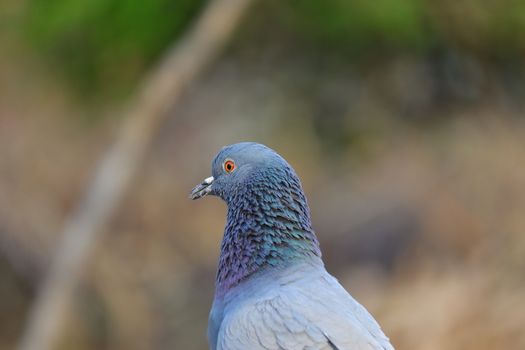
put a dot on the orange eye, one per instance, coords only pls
(229, 166)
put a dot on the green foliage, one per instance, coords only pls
(494, 28)
(104, 45)
(359, 25)
(106, 42)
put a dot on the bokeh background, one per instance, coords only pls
(404, 119)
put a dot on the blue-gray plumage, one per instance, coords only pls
(272, 289)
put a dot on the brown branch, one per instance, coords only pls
(116, 169)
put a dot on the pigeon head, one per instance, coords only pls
(239, 165)
(268, 221)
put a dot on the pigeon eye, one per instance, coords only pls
(229, 166)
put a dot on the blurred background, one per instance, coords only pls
(403, 118)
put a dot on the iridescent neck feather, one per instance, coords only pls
(268, 226)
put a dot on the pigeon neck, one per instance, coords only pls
(268, 226)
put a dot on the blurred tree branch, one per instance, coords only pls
(116, 169)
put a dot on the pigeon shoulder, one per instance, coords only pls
(303, 307)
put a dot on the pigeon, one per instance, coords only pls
(272, 290)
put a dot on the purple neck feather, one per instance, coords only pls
(268, 226)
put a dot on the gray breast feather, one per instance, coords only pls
(305, 313)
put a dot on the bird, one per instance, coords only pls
(272, 290)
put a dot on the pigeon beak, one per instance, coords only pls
(202, 189)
